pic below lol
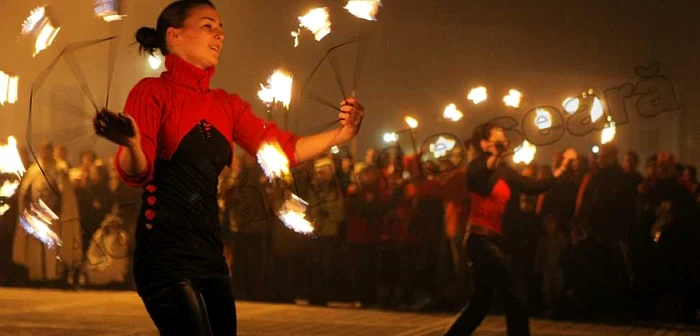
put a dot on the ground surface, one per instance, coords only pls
(49, 312)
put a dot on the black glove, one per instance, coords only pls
(117, 128)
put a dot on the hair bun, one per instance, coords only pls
(148, 39)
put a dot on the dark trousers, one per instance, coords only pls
(194, 307)
(492, 271)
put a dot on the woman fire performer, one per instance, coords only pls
(490, 181)
(175, 136)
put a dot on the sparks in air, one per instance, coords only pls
(293, 215)
(278, 89)
(513, 98)
(8, 88)
(317, 21)
(364, 9)
(478, 95)
(273, 161)
(40, 24)
(452, 113)
(524, 153)
(36, 221)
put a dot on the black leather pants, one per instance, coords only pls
(492, 271)
(194, 307)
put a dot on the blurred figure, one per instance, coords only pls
(29, 252)
(490, 181)
(630, 164)
(95, 201)
(60, 154)
(547, 265)
(690, 180)
(608, 202)
(328, 212)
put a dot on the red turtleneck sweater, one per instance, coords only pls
(168, 107)
(187, 133)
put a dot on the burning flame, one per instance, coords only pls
(441, 146)
(571, 105)
(390, 137)
(108, 10)
(293, 215)
(411, 122)
(36, 16)
(478, 95)
(452, 113)
(317, 21)
(40, 24)
(608, 133)
(513, 98)
(596, 109)
(543, 120)
(36, 221)
(3, 209)
(364, 9)
(8, 88)
(273, 161)
(10, 161)
(10, 164)
(295, 35)
(278, 89)
(524, 153)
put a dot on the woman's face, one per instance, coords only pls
(200, 39)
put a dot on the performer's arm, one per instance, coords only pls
(250, 132)
(527, 185)
(135, 160)
(533, 186)
(480, 175)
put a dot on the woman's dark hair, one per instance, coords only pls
(174, 15)
(482, 132)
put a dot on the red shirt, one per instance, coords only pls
(187, 134)
(490, 190)
(168, 107)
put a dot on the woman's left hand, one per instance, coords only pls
(351, 115)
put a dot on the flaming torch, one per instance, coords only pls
(513, 98)
(278, 90)
(364, 9)
(317, 21)
(524, 153)
(452, 113)
(275, 165)
(8, 88)
(41, 24)
(293, 215)
(273, 161)
(36, 220)
(543, 120)
(411, 122)
(608, 133)
(478, 95)
(108, 10)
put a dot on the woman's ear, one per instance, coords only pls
(172, 35)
